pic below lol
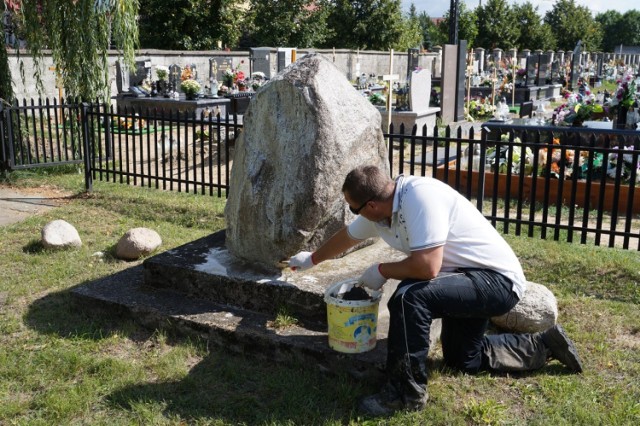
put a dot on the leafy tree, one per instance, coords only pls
(630, 28)
(497, 25)
(299, 23)
(411, 34)
(571, 23)
(6, 90)
(429, 31)
(610, 22)
(190, 24)
(79, 34)
(365, 24)
(534, 34)
(467, 26)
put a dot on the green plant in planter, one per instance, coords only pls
(190, 88)
(377, 99)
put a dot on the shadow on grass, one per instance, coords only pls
(238, 390)
(62, 314)
(225, 386)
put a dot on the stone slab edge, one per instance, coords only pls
(233, 329)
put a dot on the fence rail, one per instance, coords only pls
(573, 185)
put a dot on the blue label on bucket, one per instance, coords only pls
(358, 318)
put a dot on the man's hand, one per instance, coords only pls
(301, 261)
(372, 277)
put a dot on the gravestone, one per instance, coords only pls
(126, 78)
(122, 77)
(175, 71)
(303, 132)
(261, 59)
(532, 69)
(543, 70)
(461, 80)
(575, 65)
(225, 64)
(419, 90)
(555, 72)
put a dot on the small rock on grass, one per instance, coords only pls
(137, 242)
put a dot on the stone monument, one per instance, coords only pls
(303, 132)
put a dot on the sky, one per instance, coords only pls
(437, 8)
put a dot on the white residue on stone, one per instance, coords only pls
(308, 279)
(214, 264)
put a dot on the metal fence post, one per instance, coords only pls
(86, 143)
(3, 140)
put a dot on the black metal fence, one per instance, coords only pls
(576, 185)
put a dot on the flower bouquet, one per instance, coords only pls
(162, 72)
(480, 109)
(578, 109)
(191, 88)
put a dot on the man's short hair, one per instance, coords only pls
(367, 183)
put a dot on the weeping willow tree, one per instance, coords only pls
(6, 90)
(79, 34)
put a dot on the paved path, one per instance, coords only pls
(17, 205)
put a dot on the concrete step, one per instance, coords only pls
(230, 328)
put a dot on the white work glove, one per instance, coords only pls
(372, 277)
(301, 261)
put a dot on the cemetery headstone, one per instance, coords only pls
(142, 71)
(460, 77)
(575, 65)
(448, 85)
(420, 90)
(122, 77)
(532, 69)
(543, 70)
(175, 71)
(261, 59)
(555, 72)
(223, 65)
(279, 204)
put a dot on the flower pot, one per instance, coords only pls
(621, 118)
(191, 96)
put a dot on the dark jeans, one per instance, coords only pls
(465, 301)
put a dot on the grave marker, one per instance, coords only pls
(543, 70)
(575, 65)
(532, 69)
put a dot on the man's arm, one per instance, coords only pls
(334, 246)
(420, 264)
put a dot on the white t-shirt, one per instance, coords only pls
(428, 213)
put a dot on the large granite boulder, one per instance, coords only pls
(303, 132)
(537, 311)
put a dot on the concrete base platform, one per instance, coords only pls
(412, 118)
(200, 289)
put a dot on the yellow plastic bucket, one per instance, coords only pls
(352, 323)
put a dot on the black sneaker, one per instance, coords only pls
(388, 401)
(562, 348)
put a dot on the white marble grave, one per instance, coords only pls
(420, 113)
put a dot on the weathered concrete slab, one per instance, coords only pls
(183, 288)
(205, 269)
(233, 329)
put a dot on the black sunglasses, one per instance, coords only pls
(357, 211)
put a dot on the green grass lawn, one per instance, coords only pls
(61, 363)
